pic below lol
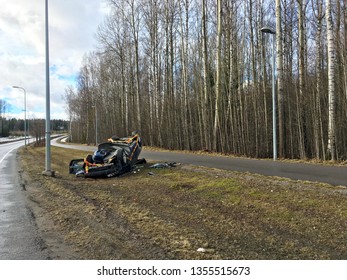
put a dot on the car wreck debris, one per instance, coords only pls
(164, 165)
(113, 158)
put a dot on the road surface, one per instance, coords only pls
(19, 237)
(334, 175)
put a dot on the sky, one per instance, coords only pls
(72, 28)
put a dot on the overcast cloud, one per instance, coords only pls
(72, 27)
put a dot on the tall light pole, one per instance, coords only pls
(25, 114)
(48, 170)
(274, 126)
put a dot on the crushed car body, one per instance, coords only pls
(113, 158)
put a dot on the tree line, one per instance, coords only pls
(196, 75)
(35, 127)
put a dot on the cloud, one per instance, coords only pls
(72, 28)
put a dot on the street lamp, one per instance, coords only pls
(25, 113)
(269, 30)
(48, 171)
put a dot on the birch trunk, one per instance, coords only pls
(302, 85)
(206, 114)
(279, 63)
(331, 81)
(218, 75)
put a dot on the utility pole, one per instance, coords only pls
(48, 171)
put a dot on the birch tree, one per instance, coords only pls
(218, 75)
(200, 74)
(302, 73)
(331, 80)
(280, 90)
(206, 112)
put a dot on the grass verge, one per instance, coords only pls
(173, 212)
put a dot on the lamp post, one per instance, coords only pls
(25, 113)
(274, 130)
(48, 171)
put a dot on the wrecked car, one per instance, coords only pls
(113, 158)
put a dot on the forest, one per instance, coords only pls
(197, 75)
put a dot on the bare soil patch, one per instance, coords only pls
(173, 212)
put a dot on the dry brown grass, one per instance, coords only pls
(170, 214)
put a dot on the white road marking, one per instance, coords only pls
(7, 154)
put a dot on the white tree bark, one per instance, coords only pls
(331, 80)
(218, 74)
(279, 63)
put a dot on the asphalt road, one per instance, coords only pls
(334, 175)
(19, 237)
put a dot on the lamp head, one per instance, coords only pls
(267, 29)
